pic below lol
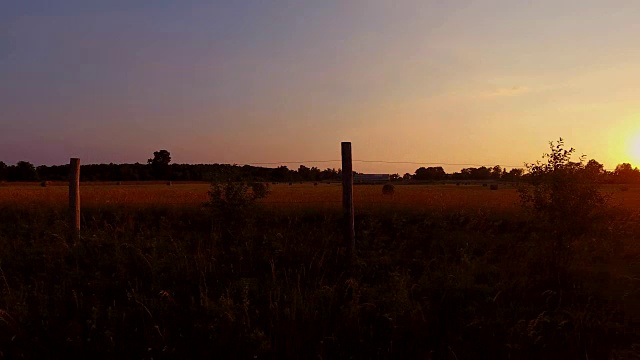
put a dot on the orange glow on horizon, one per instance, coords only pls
(635, 148)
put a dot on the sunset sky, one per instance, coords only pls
(482, 82)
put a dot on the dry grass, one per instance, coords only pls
(283, 196)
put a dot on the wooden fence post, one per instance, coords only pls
(347, 199)
(74, 198)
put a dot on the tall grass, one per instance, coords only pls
(157, 283)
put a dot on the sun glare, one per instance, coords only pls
(635, 149)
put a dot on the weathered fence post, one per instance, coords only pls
(74, 198)
(347, 199)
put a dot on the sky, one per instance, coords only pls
(254, 81)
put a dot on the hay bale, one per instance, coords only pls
(493, 187)
(315, 184)
(484, 185)
(388, 189)
(45, 183)
(169, 183)
(119, 183)
(290, 184)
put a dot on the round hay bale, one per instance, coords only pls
(315, 184)
(45, 183)
(493, 187)
(119, 183)
(388, 189)
(290, 184)
(169, 183)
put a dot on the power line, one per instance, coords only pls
(387, 162)
(376, 161)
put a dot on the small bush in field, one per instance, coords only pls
(231, 198)
(388, 189)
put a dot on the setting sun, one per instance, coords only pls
(635, 149)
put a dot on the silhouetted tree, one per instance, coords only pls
(496, 172)
(513, 175)
(430, 173)
(22, 171)
(160, 164)
(626, 174)
(3, 171)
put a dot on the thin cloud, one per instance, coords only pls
(506, 92)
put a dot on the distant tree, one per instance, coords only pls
(406, 176)
(430, 173)
(3, 171)
(22, 171)
(281, 174)
(394, 177)
(160, 164)
(329, 174)
(514, 174)
(496, 172)
(595, 169)
(626, 174)
(304, 173)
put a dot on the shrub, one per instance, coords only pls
(229, 202)
(564, 198)
(388, 189)
(233, 197)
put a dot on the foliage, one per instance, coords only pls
(430, 173)
(231, 198)
(160, 164)
(562, 192)
(147, 283)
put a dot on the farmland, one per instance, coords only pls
(419, 197)
(441, 271)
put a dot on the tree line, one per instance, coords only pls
(160, 168)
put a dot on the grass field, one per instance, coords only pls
(322, 196)
(441, 272)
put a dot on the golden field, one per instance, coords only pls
(283, 196)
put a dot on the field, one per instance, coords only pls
(441, 272)
(438, 197)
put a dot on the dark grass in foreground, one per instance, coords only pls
(162, 283)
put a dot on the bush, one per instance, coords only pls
(565, 199)
(388, 189)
